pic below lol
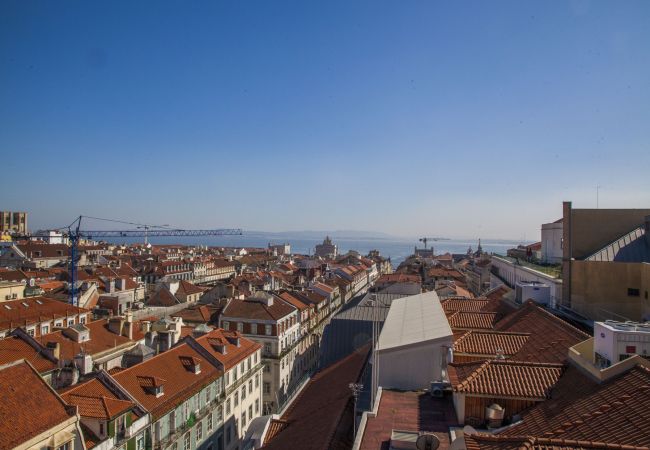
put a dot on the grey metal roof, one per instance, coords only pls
(631, 247)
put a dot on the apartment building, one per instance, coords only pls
(33, 414)
(275, 324)
(39, 315)
(13, 221)
(201, 394)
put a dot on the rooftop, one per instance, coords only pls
(29, 406)
(408, 411)
(414, 319)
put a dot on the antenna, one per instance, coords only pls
(427, 442)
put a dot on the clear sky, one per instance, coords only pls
(440, 118)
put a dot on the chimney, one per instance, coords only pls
(120, 283)
(111, 286)
(54, 349)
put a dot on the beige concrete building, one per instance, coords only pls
(14, 222)
(11, 290)
(606, 263)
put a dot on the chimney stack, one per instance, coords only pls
(54, 348)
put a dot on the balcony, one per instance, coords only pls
(242, 380)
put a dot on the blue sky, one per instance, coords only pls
(440, 118)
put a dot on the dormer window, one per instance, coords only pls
(152, 385)
(191, 363)
(219, 345)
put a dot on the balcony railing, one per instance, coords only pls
(241, 380)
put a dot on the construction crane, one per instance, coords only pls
(75, 233)
(425, 240)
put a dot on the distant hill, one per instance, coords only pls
(311, 234)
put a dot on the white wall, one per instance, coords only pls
(511, 274)
(413, 367)
(552, 243)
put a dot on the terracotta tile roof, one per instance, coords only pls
(489, 343)
(505, 379)
(502, 308)
(409, 411)
(187, 288)
(255, 309)
(275, 427)
(550, 336)
(287, 297)
(472, 320)
(101, 340)
(398, 278)
(617, 410)
(28, 407)
(234, 355)
(162, 297)
(451, 305)
(315, 417)
(492, 442)
(95, 400)
(15, 314)
(167, 369)
(14, 348)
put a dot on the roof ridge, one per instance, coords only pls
(529, 306)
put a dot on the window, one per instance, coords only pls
(630, 349)
(139, 442)
(255, 355)
(243, 393)
(199, 432)
(209, 421)
(228, 407)
(30, 331)
(268, 330)
(250, 386)
(208, 392)
(257, 380)
(240, 327)
(45, 329)
(228, 434)
(66, 446)
(267, 348)
(267, 388)
(267, 368)
(187, 441)
(70, 322)
(236, 398)
(257, 405)
(632, 292)
(226, 325)
(248, 363)
(250, 412)
(243, 419)
(220, 414)
(253, 328)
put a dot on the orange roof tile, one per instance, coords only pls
(29, 406)
(617, 410)
(95, 400)
(14, 348)
(234, 355)
(503, 379)
(489, 343)
(472, 320)
(166, 369)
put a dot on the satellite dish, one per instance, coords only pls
(427, 442)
